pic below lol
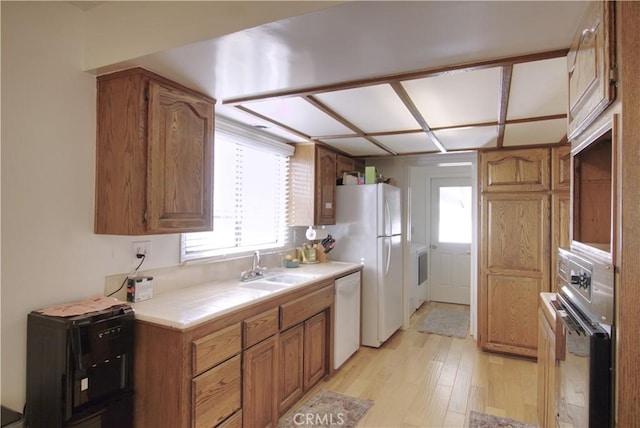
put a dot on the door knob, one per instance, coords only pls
(433, 246)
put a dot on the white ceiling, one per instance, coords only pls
(337, 75)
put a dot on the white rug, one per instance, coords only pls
(446, 322)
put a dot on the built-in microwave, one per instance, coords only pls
(593, 189)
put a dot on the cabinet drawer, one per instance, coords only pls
(234, 421)
(215, 348)
(260, 327)
(305, 307)
(216, 393)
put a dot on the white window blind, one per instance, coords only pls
(249, 198)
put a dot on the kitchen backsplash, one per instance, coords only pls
(194, 273)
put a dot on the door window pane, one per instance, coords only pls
(455, 215)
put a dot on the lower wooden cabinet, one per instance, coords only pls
(216, 393)
(315, 349)
(260, 386)
(245, 369)
(291, 370)
(303, 359)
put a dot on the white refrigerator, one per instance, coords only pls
(368, 231)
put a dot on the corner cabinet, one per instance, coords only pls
(312, 186)
(591, 67)
(154, 156)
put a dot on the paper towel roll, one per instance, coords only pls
(316, 234)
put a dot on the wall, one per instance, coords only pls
(50, 253)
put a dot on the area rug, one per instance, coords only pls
(446, 322)
(484, 420)
(327, 409)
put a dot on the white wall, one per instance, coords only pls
(50, 254)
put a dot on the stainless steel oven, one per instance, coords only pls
(585, 372)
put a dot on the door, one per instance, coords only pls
(389, 217)
(180, 161)
(389, 286)
(346, 328)
(315, 350)
(451, 234)
(291, 365)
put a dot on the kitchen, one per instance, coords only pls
(48, 215)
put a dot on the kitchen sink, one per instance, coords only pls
(287, 279)
(275, 282)
(263, 285)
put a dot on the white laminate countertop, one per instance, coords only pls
(187, 307)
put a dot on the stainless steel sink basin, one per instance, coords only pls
(263, 285)
(275, 282)
(287, 279)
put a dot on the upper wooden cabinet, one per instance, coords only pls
(561, 168)
(344, 164)
(154, 156)
(312, 186)
(591, 66)
(521, 170)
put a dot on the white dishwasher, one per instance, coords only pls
(346, 328)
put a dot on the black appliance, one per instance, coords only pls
(584, 380)
(80, 369)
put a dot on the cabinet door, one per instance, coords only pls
(180, 161)
(260, 386)
(589, 64)
(514, 270)
(561, 168)
(344, 164)
(291, 363)
(315, 349)
(325, 194)
(560, 230)
(522, 170)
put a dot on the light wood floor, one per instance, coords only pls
(426, 380)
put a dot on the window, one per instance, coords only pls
(249, 196)
(455, 214)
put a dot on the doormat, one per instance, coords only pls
(327, 409)
(446, 322)
(484, 420)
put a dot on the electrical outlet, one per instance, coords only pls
(140, 247)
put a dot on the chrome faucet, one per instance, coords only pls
(256, 270)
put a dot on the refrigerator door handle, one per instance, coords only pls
(387, 231)
(386, 270)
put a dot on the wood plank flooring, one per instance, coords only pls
(426, 380)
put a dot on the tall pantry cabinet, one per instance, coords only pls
(516, 245)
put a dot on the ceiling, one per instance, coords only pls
(393, 78)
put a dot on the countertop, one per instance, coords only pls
(547, 308)
(187, 307)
